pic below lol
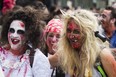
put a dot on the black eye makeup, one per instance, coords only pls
(75, 31)
(11, 30)
(68, 30)
(20, 32)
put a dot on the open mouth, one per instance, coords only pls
(15, 41)
(73, 40)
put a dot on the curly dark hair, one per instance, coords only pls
(33, 27)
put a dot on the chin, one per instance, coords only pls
(15, 48)
(76, 47)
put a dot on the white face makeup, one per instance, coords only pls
(16, 33)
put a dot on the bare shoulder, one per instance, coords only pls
(108, 62)
(105, 52)
(108, 52)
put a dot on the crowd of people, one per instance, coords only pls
(69, 43)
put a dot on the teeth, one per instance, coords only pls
(15, 40)
(75, 40)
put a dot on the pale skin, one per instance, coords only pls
(16, 37)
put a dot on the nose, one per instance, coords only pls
(71, 36)
(14, 35)
(54, 39)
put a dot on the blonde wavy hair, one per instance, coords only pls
(90, 49)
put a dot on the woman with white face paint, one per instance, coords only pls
(16, 36)
(20, 34)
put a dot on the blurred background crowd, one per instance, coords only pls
(54, 5)
(51, 23)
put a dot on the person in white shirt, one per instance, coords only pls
(19, 39)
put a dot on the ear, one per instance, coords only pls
(113, 20)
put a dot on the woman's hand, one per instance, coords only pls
(53, 59)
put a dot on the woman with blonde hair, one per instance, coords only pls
(81, 52)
